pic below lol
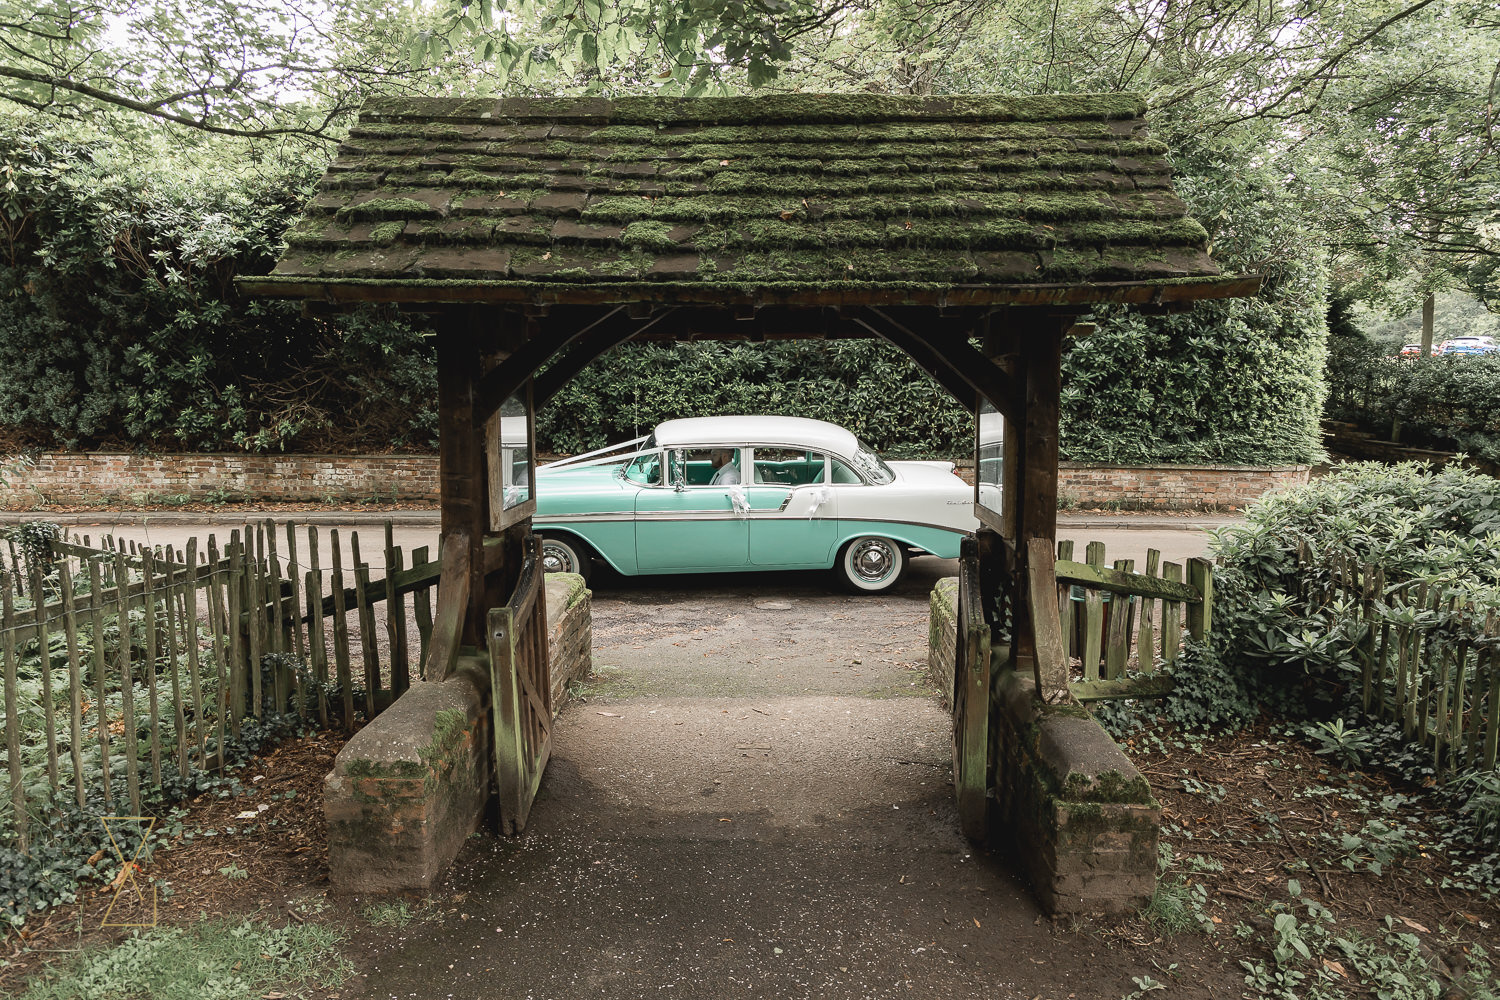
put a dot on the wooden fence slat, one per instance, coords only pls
(1145, 638)
(368, 647)
(316, 648)
(75, 679)
(12, 717)
(1093, 615)
(234, 647)
(173, 617)
(1200, 576)
(395, 617)
(219, 616)
(254, 621)
(148, 606)
(1171, 617)
(1117, 643)
(44, 653)
(96, 621)
(1065, 610)
(341, 633)
(422, 604)
(127, 693)
(276, 594)
(194, 662)
(294, 574)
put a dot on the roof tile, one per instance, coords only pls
(846, 190)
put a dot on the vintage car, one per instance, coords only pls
(743, 494)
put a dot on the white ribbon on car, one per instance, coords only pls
(739, 500)
(820, 496)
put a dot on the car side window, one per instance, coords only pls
(788, 467)
(843, 474)
(645, 469)
(705, 466)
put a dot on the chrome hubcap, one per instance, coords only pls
(872, 560)
(555, 560)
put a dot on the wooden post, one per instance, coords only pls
(463, 482)
(1035, 487)
(1429, 307)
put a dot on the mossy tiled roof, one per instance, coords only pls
(812, 198)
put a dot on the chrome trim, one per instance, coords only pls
(727, 515)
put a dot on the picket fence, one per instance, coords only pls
(146, 662)
(1429, 661)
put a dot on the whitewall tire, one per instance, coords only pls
(562, 554)
(870, 564)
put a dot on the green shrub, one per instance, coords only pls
(1287, 644)
(1451, 402)
(120, 323)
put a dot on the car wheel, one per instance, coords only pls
(565, 555)
(870, 564)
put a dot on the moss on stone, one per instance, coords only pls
(1109, 786)
(388, 208)
(387, 233)
(649, 234)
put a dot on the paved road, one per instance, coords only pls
(1176, 538)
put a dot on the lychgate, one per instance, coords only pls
(972, 232)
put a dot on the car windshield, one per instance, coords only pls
(871, 466)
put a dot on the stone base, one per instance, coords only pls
(1079, 815)
(1079, 818)
(408, 788)
(942, 636)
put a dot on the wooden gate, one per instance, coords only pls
(971, 698)
(522, 683)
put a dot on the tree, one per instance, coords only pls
(250, 68)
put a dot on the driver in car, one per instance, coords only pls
(726, 473)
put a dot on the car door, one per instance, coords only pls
(793, 513)
(690, 524)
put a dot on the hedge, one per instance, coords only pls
(120, 327)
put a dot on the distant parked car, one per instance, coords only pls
(745, 494)
(1411, 351)
(1468, 345)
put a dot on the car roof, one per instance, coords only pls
(800, 432)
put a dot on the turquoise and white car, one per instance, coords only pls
(742, 494)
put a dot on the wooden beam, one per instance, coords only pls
(584, 349)
(438, 291)
(463, 483)
(931, 362)
(1030, 497)
(453, 608)
(1117, 581)
(1051, 664)
(507, 377)
(948, 356)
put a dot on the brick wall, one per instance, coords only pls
(116, 477)
(1172, 487)
(95, 477)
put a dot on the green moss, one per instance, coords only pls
(1110, 786)
(361, 768)
(388, 208)
(649, 234)
(448, 729)
(387, 232)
